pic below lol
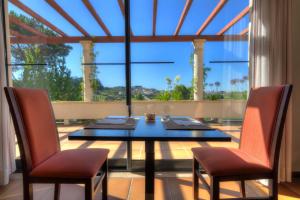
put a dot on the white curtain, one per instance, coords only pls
(270, 60)
(7, 138)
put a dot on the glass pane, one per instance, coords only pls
(194, 63)
(75, 50)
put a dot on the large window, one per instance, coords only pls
(187, 58)
(195, 52)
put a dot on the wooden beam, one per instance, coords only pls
(121, 39)
(54, 5)
(90, 7)
(122, 8)
(26, 9)
(234, 20)
(212, 15)
(245, 31)
(16, 21)
(15, 33)
(184, 13)
(154, 17)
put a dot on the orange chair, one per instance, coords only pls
(258, 155)
(42, 159)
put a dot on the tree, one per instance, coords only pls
(139, 96)
(233, 82)
(181, 92)
(217, 84)
(49, 69)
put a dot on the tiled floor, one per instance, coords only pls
(131, 187)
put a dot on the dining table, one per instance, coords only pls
(149, 132)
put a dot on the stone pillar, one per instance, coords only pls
(198, 69)
(87, 47)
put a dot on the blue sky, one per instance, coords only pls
(169, 11)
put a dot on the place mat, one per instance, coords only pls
(113, 123)
(184, 124)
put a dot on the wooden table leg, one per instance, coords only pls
(149, 170)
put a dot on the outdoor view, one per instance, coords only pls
(188, 58)
(160, 70)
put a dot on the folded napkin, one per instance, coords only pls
(112, 121)
(124, 123)
(184, 123)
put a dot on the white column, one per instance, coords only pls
(198, 69)
(88, 57)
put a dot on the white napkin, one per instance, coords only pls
(112, 121)
(186, 121)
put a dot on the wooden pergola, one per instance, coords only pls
(62, 37)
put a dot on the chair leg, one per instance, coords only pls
(27, 190)
(104, 182)
(214, 189)
(195, 179)
(88, 190)
(56, 191)
(243, 189)
(274, 188)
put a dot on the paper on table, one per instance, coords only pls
(112, 121)
(186, 121)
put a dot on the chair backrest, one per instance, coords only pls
(34, 124)
(264, 122)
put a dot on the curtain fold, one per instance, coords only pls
(7, 136)
(270, 60)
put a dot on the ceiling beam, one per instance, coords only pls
(120, 39)
(54, 5)
(234, 20)
(154, 17)
(245, 31)
(18, 22)
(184, 13)
(26, 9)
(15, 33)
(90, 7)
(212, 15)
(122, 8)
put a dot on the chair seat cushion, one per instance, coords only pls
(77, 163)
(219, 161)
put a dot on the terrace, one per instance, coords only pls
(198, 105)
(99, 59)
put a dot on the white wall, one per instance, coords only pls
(95, 110)
(296, 83)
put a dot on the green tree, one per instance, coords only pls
(49, 70)
(217, 84)
(181, 92)
(139, 96)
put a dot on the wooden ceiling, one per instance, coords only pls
(62, 37)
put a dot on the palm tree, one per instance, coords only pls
(217, 84)
(233, 82)
(211, 86)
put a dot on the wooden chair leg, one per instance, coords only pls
(56, 191)
(104, 181)
(274, 189)
(243, 189)
(88, 190)
(195, 179)
(214, 189)
(27, 190)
